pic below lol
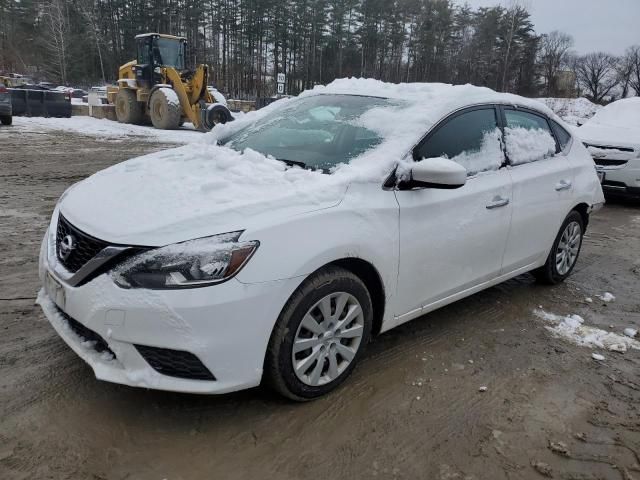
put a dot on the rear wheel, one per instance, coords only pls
(565, 251)
(320, 335)
(164, 109)
(6, 120)
(128, 109)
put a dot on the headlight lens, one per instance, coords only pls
(195, 263)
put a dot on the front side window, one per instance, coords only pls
(169, 52)
(564, 137)
(471, 139)
(320, 131)
(528, 137)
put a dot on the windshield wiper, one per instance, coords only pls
(293, 163)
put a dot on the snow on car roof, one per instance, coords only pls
(440, 98)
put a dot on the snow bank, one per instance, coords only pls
(107, 129)
(574, 111)
(572, 328)
(525, 145)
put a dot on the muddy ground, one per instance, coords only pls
(412, 410)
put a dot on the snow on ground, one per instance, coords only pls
(108, 129)
(574, 111)
(572, 328)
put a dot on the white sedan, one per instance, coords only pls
(273, 251)
(612, 137)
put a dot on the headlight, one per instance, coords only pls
(195, 263)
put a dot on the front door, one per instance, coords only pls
(452, 240)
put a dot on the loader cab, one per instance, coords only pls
(155, 50)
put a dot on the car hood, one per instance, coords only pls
(192, 192)
(608, 135)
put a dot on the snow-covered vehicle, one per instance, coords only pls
(612, 137)
(276, 251)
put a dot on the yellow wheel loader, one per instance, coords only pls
(158, 86)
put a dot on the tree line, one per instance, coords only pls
(248, 42)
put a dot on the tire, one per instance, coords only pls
(216, 113)
(312, 379)
(128, 109)
(164, 109)
(6, 120)
(554, 271)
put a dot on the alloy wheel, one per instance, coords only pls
(568, 248)
(327, 339)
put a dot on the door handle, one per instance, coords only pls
(498, 202)
(563, 185)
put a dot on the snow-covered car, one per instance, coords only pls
(277, 250)
(612, 137)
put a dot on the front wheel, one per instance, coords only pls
(565, 251)
(164, 109)
(320, 335)
(6, 120)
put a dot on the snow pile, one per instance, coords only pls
(524, 145)
(606, 297)
(611, 153)
(574, 111)
(107, 129)
(572, 328)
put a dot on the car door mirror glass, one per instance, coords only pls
(437, 173)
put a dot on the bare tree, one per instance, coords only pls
(624, 71)
(88, 13)
(596, 72)
(56, 21)
(554, 48)
(633, 53)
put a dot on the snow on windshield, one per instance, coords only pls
(528, 145)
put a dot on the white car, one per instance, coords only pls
(612, 137)
(277, 248)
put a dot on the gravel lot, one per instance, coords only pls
(413, 408)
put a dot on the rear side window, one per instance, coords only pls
(528, 137)
(564, 137)
(471, 139)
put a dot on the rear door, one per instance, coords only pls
(542, 186)
(451, 240)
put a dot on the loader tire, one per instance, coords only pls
(164, 109)
(128, 109)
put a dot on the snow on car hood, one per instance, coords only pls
(616, 125)
(191, 192)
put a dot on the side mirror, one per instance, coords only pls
(438, 173)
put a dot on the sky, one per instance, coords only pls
(596, 25)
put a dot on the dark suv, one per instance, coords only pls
(5, 106)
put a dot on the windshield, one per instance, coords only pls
(169, 53)
(318, 132)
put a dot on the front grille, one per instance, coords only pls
(175, 363)
(85, 246)
(87, 334)
(605, 162)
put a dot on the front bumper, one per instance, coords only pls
(226, 326)
(622, 180)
